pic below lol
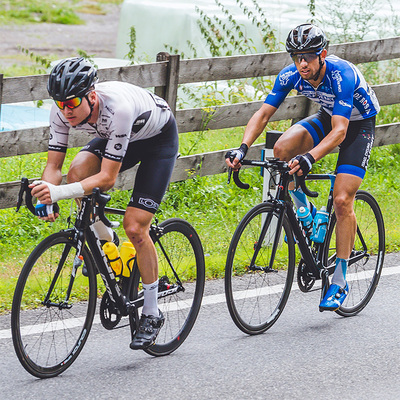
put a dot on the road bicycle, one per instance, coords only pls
(261, 261)
(54, 302)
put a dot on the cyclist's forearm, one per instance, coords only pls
(332, 140)
(52, 171)
(254, 129)
(257, 124)
(52, 175)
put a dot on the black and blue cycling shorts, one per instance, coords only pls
(355, 150)
(157, 157)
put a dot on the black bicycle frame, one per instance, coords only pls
(283, 204)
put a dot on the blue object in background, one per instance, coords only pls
(15, 117)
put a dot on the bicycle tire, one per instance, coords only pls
(183, 246)
(256, 298)
(363, 275)
(48, 338)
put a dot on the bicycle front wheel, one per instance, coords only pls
(366, 259)
(52, 310)
(257, 278)
(181, 265)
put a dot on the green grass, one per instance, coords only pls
(30, 11)
(49, 11)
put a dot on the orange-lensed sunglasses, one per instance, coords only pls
(71, 103)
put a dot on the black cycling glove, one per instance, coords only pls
(305, 161)
(240, 153)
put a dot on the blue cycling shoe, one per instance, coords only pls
(334, 298)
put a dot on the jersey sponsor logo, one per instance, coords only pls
(161, 103)
(284, 78)
(344, 104)
(58, 148)
(367, 154)
(112, 157)
(141, 121)
(121, 136)
(110, 110)
(337, 76)
(148, 203)
(118, 146)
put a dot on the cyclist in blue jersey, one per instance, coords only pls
(128, 125)
(346, 119)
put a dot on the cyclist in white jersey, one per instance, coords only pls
(129, 125)
(346, 119)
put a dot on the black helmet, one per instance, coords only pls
(72, 77)
(306, 37)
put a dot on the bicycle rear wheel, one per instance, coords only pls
(180, 264)
(366, 259)
(257, 284)
(49, 327)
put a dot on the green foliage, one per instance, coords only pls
(226, 37)
(132, 44)
(311, 8)
(49, 11)
(351, 21)
(31, 11)
(42, 62)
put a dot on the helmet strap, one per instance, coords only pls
(321, 64)
(91, 111)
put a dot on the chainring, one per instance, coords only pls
(304, 281)
(109, 314)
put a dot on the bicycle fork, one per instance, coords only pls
(259, 243)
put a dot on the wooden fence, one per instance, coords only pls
(166, 74)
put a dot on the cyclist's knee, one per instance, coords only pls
(343, 205)
(85, 164)
(281, 152)
(138, 233)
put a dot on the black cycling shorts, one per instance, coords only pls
(157, 157)
(355, 150)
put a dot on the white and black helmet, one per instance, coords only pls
(306, 37)
(72, 77)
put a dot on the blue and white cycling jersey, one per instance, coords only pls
(343, 91)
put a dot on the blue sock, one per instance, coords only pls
(339, 276)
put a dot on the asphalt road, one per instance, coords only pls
(305, 355)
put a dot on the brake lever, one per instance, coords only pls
(229, 175)
(102, 199)
(300, 181)
(28, 196)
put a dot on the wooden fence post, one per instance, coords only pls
(169, 92)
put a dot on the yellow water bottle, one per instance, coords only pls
(112, 253)
(128, 253)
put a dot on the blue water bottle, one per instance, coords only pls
(304, 215)
(320, 225)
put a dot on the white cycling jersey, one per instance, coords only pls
(127, 113)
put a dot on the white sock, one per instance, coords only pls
(103, 232)
(150, 305)
(339, 276)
